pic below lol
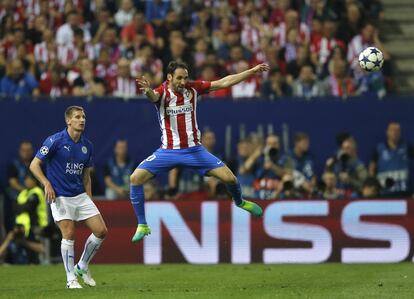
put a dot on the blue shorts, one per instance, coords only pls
(196, 158)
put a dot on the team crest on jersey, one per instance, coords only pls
(187, 94)
(84, 150)
(44, 150)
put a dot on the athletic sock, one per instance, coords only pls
(235, 191)
(138, 201)
(91, 248)
(68, 256)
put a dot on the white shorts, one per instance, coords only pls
(75, 208)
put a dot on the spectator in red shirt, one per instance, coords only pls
(137, 32)
(322, 47)
(54, 83)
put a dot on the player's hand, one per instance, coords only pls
(50, 193)
(143, 83)
(260, 68)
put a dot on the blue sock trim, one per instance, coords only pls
(235, 191)
(138, 201)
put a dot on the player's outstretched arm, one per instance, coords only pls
(36, 169)
(237, 78)
(145, 85)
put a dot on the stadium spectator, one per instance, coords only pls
(338, 83)
(69, 53)
(294, 66)
(109, 40)
(64, 34)
(19, 169)
(125, 13)
(146, 63)
(368, 37)
(351, 23)
(53, 83)
(371, 188)
(17, 249)
(346, 165)
(328, 188)
(30, 208)
(371, 84)
(124, 84)
(117, 171)
(321, 47)
(291, 21)
(271, 168)
(303, 163)
(102, 21)
(18, 82)
(156, 10)
(86, 84)
(307, 85)
(46, 51)
(275, 86)
(245, 89)
(137, 32)
(249, 151)
(390, 163)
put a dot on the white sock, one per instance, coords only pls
(68, 256)
(91, 247)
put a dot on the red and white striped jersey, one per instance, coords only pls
(177, 114)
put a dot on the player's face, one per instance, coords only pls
(77, 121)
(179, 79)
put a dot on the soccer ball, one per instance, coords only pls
(371, 59)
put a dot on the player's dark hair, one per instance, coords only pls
(173, 65)
(71, 109)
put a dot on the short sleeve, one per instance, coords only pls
(47, 149)
(200, 86)
(160, 89)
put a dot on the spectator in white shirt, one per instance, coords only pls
(125, 13)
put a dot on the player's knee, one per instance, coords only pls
(101, 233)
(68, 233)
(135, 179)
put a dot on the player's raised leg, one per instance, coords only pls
(97, 225)
(138, 178)
(225, 175)
(67, 248)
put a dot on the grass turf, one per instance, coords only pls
(216, 281)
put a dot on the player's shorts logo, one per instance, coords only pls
(62, 211)
(44, 150)
(84, 150)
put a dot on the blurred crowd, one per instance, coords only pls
(97, 47)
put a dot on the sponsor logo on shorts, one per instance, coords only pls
(44, 150)
(172, 111)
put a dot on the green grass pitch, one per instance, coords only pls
(216, 281)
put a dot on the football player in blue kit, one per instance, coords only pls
(67, 159)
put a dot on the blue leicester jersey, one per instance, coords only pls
(65, 161)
